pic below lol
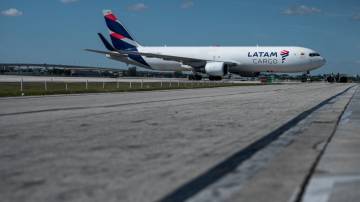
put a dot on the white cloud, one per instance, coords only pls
(12, 12)
(301, 10)
(356, 17)
(68, 1)
(137, 7)
(357, 62)
(187, 4)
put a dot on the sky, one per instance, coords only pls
(57, 31)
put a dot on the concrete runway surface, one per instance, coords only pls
(136, 146)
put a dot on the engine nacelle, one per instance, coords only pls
(216, 69)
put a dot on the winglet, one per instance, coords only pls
(106, 43)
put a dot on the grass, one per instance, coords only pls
(52, 88)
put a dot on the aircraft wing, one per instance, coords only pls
(194, 62)
(150, 55)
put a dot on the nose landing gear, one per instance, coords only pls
(306, 77)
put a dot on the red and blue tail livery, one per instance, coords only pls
(120, 37)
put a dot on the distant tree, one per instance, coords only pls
(132, 71)
(124, 73)
(67, 72)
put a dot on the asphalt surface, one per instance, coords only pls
(287, 164)
(135, 146)
(337, 175)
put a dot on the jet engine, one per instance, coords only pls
(217, 69)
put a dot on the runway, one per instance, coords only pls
(139, 146)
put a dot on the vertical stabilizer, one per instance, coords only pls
(120, 37)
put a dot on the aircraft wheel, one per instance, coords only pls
(197, 77)
(215, 78)
(306, 77)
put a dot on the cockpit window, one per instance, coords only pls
(314, 54)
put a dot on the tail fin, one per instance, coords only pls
(106, 43)
(120, 37)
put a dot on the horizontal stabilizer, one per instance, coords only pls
(98, 51)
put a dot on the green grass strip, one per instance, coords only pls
(52, 88)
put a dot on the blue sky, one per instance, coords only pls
(57, 31)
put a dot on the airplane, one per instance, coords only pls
(214, 61)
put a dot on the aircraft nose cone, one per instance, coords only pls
(319, 62)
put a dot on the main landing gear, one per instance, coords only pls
(215, 78)
(196, 77)
(306, 77)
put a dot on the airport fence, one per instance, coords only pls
(47, 87)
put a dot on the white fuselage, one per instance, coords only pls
(248, 59)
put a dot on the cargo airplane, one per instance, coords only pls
(214, 61)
